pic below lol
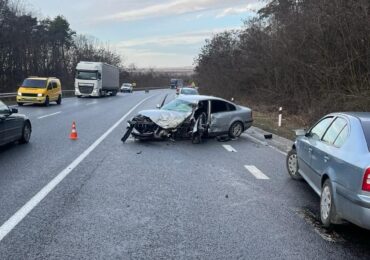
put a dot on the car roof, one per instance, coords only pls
(197, 98)
(362, 116)
(188, 88)
(42, 78)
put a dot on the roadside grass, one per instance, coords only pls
(269, 122)
(267, 118)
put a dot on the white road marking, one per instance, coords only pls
(56, 113)
(256, 172)
(229, 148)
(266, 144)
(14, 220)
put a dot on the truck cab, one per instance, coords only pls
(96, 79)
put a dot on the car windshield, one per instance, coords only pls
(179, 106)
(3, 108)
(87, 75)
(34, 83)
(189, 91)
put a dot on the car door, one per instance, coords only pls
(220, 117)
(305, 149)
(324, 151)
(50, 91)
(55, 90)
(10, 125)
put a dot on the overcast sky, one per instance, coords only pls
(151, 33)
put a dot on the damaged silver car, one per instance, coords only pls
(191, 117)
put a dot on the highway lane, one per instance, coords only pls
(26, 169)
(163, 199)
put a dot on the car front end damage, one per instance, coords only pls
(161, 125)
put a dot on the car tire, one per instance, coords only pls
(20, 104)
(236, 129)
(59, 100)
(292, 165)
(26, 133)
(47, 101)
(328, 213)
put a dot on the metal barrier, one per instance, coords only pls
(10, 95)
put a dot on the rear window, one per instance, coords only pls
(366, 128)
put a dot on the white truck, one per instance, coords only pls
(96, 79)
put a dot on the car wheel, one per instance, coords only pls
(236, 129)
(59, 101)
(292, 165)
(20, 104)
(26, 133)
(328, 212)
(47, 101)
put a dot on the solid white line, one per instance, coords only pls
(256, 172)
(14, 220)
(266, 144)
(229, 148)
(56, 113)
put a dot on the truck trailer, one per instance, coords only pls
(96, 79)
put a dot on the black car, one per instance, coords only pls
(13, 126)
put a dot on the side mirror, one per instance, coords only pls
(13, 110)
(300, 132)
(158, 106)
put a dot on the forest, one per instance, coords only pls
(309, 56)
(43, 47)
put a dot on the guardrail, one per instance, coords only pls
(10, 95)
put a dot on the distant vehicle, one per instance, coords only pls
(13, 126)
(40, 91)
(96, 79)
(187, 91)
(334, 158)
(176, 83)
(191, 117)
(127, 87)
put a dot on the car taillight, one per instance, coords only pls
(366, 180)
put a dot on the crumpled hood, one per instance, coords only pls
(165, 118)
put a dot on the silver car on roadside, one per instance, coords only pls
(191, 116)
(334, 159)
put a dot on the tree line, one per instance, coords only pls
(309, 56)
(43, 47)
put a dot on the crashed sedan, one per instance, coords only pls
(190, 117)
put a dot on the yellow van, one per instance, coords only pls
(39, 90)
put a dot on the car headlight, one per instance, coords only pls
(19, 94)
(39, 95)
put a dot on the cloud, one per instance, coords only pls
(173, 8)
(187, 39)
(253, 7)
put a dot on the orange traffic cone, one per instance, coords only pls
(73, 135)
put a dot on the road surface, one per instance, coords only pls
(97, 198)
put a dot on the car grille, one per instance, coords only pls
(29, 95)
(86, 89)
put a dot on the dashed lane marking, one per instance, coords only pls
(56, 113)
(229, 148)
(256, 172)
(14, 220)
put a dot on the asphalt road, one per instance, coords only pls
(154, 200)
